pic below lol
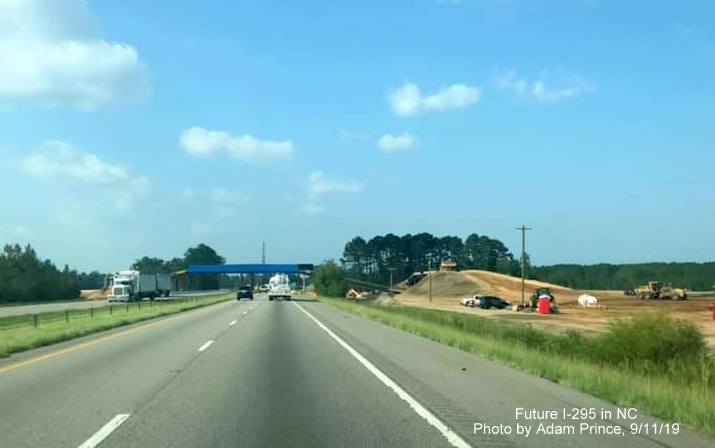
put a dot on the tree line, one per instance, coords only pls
(26, 277)
(694, 276)
(201, 254)
(375, 259)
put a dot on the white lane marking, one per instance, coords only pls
(245, 312)
(451, 436)
(104, 431)
(206, 345)
(233, 322)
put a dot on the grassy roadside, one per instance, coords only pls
(680, 393)
(16, 336)
(40, 302)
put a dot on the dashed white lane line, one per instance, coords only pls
(104, 431)
(206, 345)
(233, 322)
(451, 436)
(245, 312)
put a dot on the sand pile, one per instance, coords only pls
(448, 285)
(454, 285)
(94, 294)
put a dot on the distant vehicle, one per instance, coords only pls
(629, 292)
(130, 286)
(279, 287)
(487, 302)
(264, 288)
(542, 292)
(660, 291)
(244, 292)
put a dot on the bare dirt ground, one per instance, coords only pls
(449, 287)
(94, 294)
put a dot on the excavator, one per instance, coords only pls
(660, 291)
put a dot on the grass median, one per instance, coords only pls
(653, 363)
(19, 333)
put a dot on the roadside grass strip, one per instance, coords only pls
(19, 333)
(685, 394)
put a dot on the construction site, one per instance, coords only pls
(447, 290)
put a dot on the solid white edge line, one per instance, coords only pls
(451, 436)
(233, 322)
(104, 431)
(206, 345)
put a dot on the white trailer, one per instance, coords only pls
(279, 286)
(163, 284)
(134, 285)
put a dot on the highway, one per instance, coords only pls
(18, 310)
(275, 374)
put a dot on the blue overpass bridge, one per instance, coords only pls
(183, 280)
(261, 268)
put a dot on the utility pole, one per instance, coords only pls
(429, 265)
(391, 271)
(263, 253)
(523, 229)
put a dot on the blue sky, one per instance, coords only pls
(142, 128)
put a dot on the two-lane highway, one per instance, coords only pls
(264, 374)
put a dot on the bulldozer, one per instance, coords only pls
(660, 291)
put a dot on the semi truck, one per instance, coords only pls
(279, 287)
(134, 286)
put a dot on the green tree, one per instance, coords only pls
(149, 265)
(329, 280)
(24, 276)
(203, 254)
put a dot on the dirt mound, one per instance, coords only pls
(510, 287)
(453, 285)
(448, 285)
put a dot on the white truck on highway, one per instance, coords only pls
(134, 285)
(279, 287)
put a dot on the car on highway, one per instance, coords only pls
(244, 292)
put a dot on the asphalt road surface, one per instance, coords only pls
(17, 310)
(278, 374)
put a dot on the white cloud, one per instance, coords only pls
(394, 143)
(542, 90)
(59, 161)
(203, 229)
(226, 203)
(312, 208)
(51, 55)
(187, 194)
(226, 197)
(319, 185)
(17, 234)
(408, 99)
(201, 142)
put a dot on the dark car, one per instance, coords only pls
(488, 302)
(244, 292)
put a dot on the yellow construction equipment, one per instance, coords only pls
(660, 291)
